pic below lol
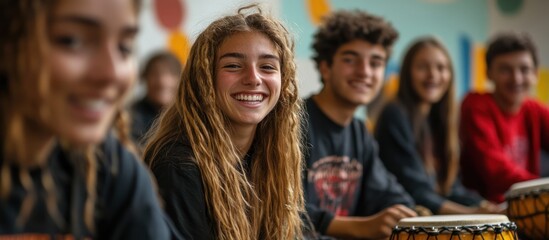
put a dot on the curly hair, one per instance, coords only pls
(442, 118)
(344, 26)
(268, 203)
(508, 42)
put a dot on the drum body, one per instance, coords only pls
(528, 207)
(463, 227)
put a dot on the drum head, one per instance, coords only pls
(453, 220)
(527, 187)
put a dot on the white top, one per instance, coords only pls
(454, 220)
(527, 187)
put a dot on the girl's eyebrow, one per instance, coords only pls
(242, 56)
(93, 23)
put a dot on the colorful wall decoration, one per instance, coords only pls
(461, 25)
(170, 16)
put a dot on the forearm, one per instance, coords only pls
(347, 227)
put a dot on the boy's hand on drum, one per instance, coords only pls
(378, 226)
(381, 224)
(488, 207)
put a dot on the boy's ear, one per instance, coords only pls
(488, 74)
(324, 70)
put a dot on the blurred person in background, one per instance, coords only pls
(418, 136)
(161, 76)
(503, 132)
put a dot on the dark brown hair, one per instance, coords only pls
(509, 42)
(168, 58)
(344, 26)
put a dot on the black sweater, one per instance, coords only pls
(126, 205)
(180, 184)
(397, 150)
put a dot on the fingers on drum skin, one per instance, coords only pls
(488, 207)
(405, 211)
(422, 211)
(393, 215)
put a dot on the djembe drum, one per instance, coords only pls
(528, 207)
(463, 227)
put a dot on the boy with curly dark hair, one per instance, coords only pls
(348, 191)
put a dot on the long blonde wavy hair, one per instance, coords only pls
(24, 91)
(268, 203)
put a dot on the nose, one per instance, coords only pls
(517, 76)
(252, 77)
(167, 80)
(109, 65)
(364, 69)
(431, 71)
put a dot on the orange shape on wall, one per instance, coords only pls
(179, 45)
(480, 82)
(542, 89)
(317, 10)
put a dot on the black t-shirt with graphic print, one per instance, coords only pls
(344, 175)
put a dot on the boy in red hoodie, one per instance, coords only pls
(503, 132)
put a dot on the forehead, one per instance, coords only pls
(104, 11)
(519, 58)
(431, 53)
(247, 42)
(362, 48)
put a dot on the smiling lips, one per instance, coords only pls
(93, 104)
(360, 85)
(90, 109)
(249, 97)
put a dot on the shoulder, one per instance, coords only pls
(478, 103)
(392, 110)
(126, 196)
(142, 103)
(174, 153)
(309, 106)
(360, 133)
(476, 99)
(138, 106)
(534, 105)
(117, 162)
(121, 176)
(392, 115)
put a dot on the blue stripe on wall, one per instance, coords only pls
(465, 48)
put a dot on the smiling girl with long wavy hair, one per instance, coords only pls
(226, 154)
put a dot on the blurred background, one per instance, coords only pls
(464, 26)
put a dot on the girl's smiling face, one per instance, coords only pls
(92, 66)
(248, 77)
